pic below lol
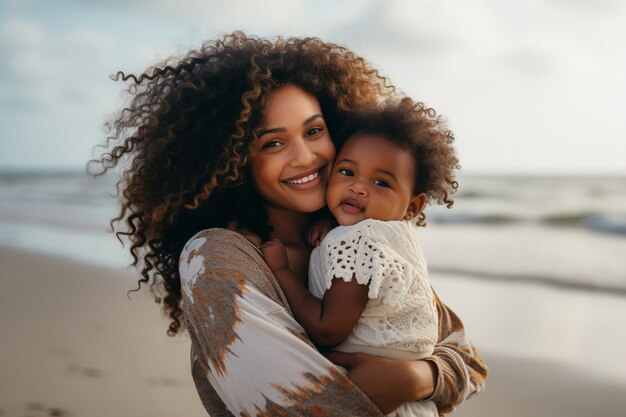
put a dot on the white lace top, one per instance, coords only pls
(400, 319)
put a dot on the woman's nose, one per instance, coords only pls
(302, 154)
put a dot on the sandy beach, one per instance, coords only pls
(73, 344)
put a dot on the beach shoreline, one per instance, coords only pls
(73, 343)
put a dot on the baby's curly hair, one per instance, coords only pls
(423, 133)
(185, 138)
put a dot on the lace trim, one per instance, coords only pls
(370, 263)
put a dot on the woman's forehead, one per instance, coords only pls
(288, 103)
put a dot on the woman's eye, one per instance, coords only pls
(271, 144)
(346, 172)
(381, 183)
(314, 131)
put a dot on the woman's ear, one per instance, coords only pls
(415, 207)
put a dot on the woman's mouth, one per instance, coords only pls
(303, 180)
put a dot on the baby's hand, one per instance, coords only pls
(275, 255)
(318, 231)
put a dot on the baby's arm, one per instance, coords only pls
(327, 321)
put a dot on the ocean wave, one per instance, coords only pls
(472, 218)
(598, 222)
(606, 223)
(614, 288)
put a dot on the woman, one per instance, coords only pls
(228, 148)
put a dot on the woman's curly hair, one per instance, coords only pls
(183, 141)
(423, 133)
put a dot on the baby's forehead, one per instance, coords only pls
(371, 142)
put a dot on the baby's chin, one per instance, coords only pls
(344, 220)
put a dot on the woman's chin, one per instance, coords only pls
(310, 204)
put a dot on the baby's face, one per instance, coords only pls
(372, 179)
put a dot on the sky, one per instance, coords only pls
(535, 87)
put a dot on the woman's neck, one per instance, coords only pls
(289, 226)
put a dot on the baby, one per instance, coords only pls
(368, 288)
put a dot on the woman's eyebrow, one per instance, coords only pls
(283, 130)
(310, 119)
(274, 130)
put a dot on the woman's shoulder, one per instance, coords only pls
(223, 258)
(215, 233)
(219, 249)
(219, 242)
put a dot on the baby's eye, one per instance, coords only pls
(346, 172)
(382, 183)
(272, 143)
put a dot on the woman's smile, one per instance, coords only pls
(308, 180)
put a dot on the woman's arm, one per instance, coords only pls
(461, 372)
(328, 321)
(388, 383)
(454, 373)
(249, 355)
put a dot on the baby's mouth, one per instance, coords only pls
(352, 205)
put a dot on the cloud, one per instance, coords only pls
(43, 69)
(527, 61)
(594, 7)
(520, 82)
(403, 26)
(532, 76)
(231, 13)
(54, 92)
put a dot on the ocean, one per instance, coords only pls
(535, 266)
(63, 214)
(552, 230)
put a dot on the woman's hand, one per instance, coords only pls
(388, 383)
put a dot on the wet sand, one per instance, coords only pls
(73, 344)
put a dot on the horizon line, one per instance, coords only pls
(9, 171)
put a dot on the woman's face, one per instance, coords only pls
(292, 158)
